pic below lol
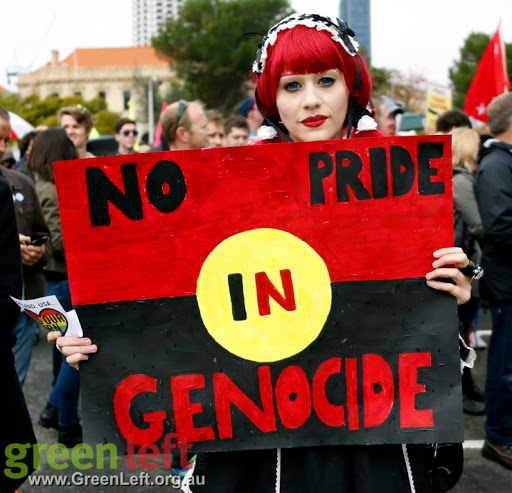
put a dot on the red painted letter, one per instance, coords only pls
(227, 393)
(378, 390)
(265, 289)
(184, 410)
(330, 414)
(293, 382)
(129, 388)
(408, 365)
(352, 398)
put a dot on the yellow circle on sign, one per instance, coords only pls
(265, 271)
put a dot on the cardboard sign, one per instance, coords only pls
(265, 296)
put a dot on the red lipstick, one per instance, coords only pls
(314, 121)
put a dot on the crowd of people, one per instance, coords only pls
(311, 83)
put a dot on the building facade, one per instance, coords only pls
(115, 74)
(357, 14)
(148, 15)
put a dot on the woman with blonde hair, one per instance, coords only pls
(468, 235)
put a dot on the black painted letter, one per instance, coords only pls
(349, 176)
(378, 167)
(402, 171)
(317, 174)
(166, 173)
(101, 191)
(426, 152)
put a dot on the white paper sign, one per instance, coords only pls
(49, 313)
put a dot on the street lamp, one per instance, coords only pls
(151, 115)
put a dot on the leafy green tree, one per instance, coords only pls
(10, 101)
(44, 111)
(105, 122)
(212, 49)
(463, 70)
(381, 79)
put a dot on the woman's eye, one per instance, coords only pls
(292, 86)
(326, 81)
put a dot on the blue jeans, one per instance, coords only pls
(65, 392)
(25, 332)
(498, 383)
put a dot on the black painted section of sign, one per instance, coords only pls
(166, 337)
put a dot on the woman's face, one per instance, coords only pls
(313, 106)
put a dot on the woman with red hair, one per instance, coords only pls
(312, 84)
(314, 64)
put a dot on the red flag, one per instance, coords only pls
(490, 80)
(158, 134)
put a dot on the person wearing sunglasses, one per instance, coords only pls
(126, 136)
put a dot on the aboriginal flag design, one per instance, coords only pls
(268, 296)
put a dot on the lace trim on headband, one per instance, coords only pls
(341, 33)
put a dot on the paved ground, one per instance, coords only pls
(480, 475)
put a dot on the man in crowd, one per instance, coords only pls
(494, 195)
(251, 113)
(236, 131)
(77, 122)
(126, 136)
(386, 111)
(184, 125)
(450, 120)
(214, 128)
(8, 160)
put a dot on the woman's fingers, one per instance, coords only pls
(53, 335)
(73, 341)
(460, 287)
(75, 359)
(76, 349)
(447, 251)
(458, 259)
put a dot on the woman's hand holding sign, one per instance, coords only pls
(447, 264)
(75, 349)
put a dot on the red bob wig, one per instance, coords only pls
(303, 50)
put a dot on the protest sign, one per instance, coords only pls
(265, 296)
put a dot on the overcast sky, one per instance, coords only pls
(411, 36)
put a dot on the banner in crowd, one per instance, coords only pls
(265, 296)
(439, 101)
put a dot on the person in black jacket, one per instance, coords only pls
(15, 424)
(494, 195)
(31, 226)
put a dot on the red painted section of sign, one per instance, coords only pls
(239, 189)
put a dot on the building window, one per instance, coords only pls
(77, 93)
(102, 95)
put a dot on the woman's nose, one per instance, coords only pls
(311, 96)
